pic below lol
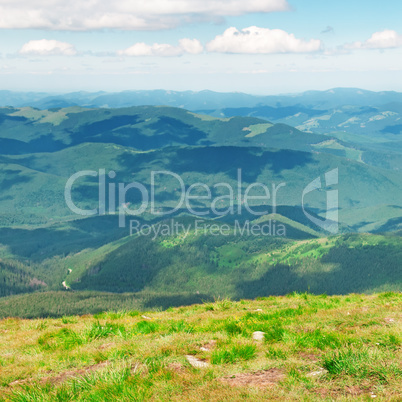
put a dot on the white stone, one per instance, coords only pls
(195, 362)
(321, 371)
(258, 335)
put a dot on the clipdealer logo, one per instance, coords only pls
(233, 200)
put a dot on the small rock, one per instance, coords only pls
(146, 318)
(258, 309)
(195, 362)
(258, 335)
(321, 371)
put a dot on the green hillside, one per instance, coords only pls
(245, 266)
(157, 271)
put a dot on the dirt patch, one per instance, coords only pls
(334, 393)
(208, 346)
(107, 345)
(18, 382)
(260, 379)
(322, 392)
(64, 376)
(176, 366)
(309, 356)
(139, 368)
(354, 390)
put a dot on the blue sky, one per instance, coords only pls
(258, 46)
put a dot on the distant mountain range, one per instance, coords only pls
(365, 121)
(201, 100)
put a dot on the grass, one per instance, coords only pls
(323, 347)
(361, 363)
(235, 354)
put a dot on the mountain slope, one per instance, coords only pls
(240, 263)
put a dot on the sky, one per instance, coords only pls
(253, 46)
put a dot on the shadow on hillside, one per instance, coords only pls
(391, 225)
(166, 301)
(12, 178)
(396, 129)
(119, 130)
(62, 239)
(343, 270)
(252, 161)
(216, 160)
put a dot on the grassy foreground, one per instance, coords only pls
(314, 348)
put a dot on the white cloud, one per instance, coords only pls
(387, 39)
(186, 45)
(192, 46)
(124, 14)
(255, 40)
(45, 47)
(157, 49)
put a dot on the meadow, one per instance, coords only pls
(312, 348)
